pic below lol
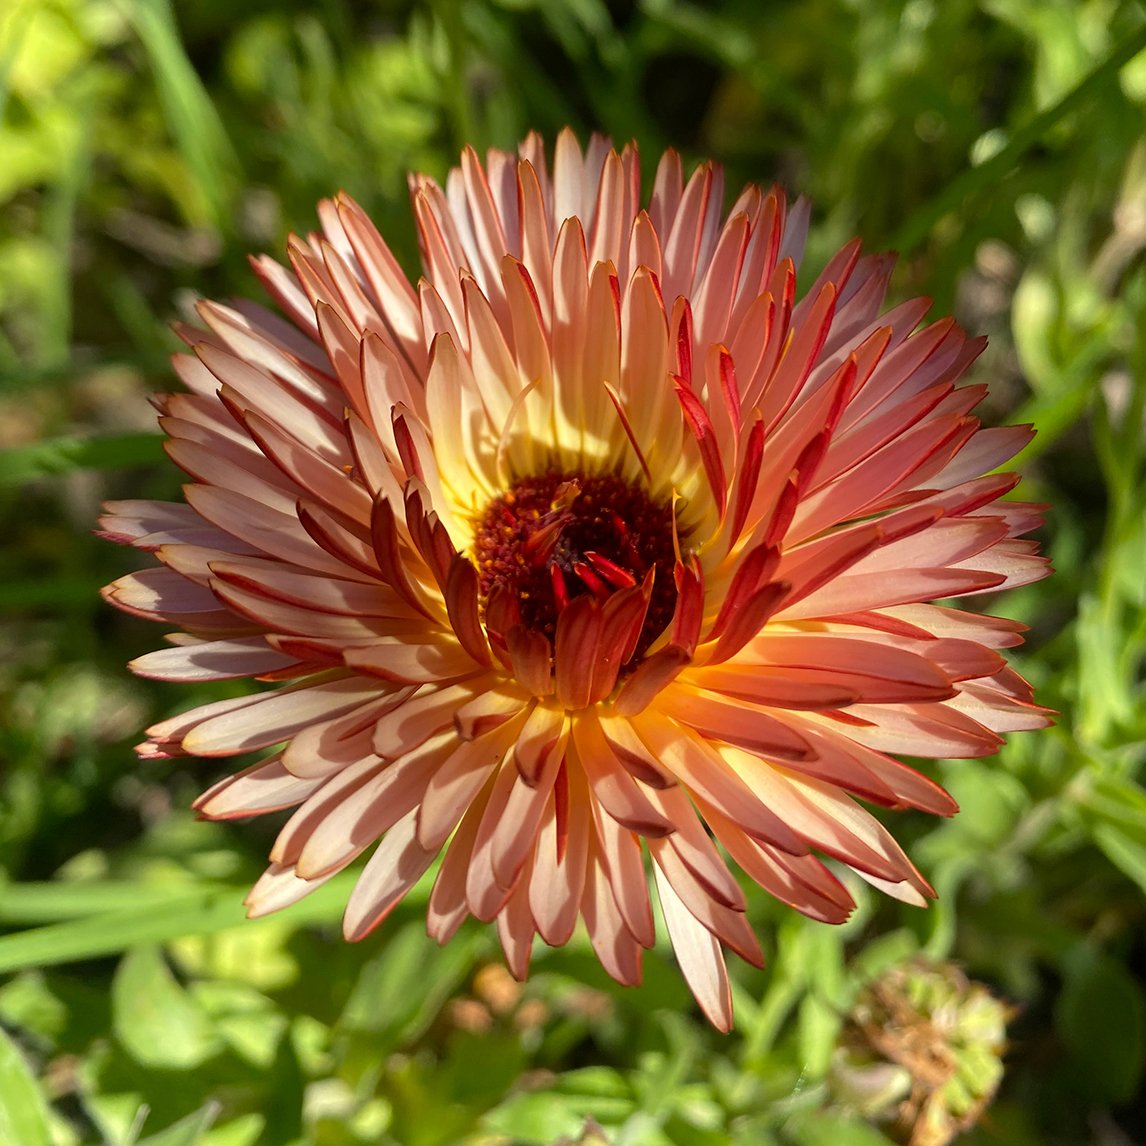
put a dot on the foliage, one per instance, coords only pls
(147, 148)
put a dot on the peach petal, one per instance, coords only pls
(621, 859)
(278, 616)
(358, 819)
(397, 864)
(924, 730)
(251, 347)
(274, 717)
(226, 467)
(397, 300)
(332, 792)
(272, 533)
(728, 926)
(303, 589)
(541, 742)
(705, 773)
(691, 844)
(486, 894)
(211, 660)
(447, 907)
(735, 721)
(616, 948)
(515, 930)
(801, 882)
(330, 745)
(264, 787)
(699, 955)
(826, 818)
(457, 779)
(401, 659)
(612, 787)
(560, 858)
(513, 836)
(277, 888)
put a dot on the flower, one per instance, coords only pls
(596, 542)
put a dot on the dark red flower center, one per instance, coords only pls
(557, 536)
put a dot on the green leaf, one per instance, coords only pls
(23, 1110)
(819, 1025)
(820, 1129)
(62, 455)
(544, 1117)
(187, 1131)
(246, 1019)
(1114, 809)
(51, 902)
(502, 1058)
(28, 1002)
(113, 931)
(1101, 1014)
(883, 953)
(154, 1018)
(595, 1082)
(822, 1009)
(198, 912)
(662, 1079)
(1034, 313)
(1126, 853)
(400, 992)
(990, 804)
(1118, 802)
(190, 113)
(286, 1086)
(678, 1130)
(51, 593)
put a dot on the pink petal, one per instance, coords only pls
(458, 779)
(278, 888)
(699, 956)
(264, 787)
(276, 716)
(618, 951)
(706, 774)
(211, 660)
(396, 865)
(559, 864)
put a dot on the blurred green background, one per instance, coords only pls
(145, 149)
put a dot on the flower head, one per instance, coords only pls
(594, 547)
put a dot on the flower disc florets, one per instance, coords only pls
(553, 538)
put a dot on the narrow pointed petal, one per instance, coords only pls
(397, 864)
(699, 955)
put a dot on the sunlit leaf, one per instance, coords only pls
(190, 913)
(155, 1019)
(399, 993)
(23, 1110)
(189, 1131)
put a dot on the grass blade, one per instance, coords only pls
(198, 912)
(62, 455)
(976, 180)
